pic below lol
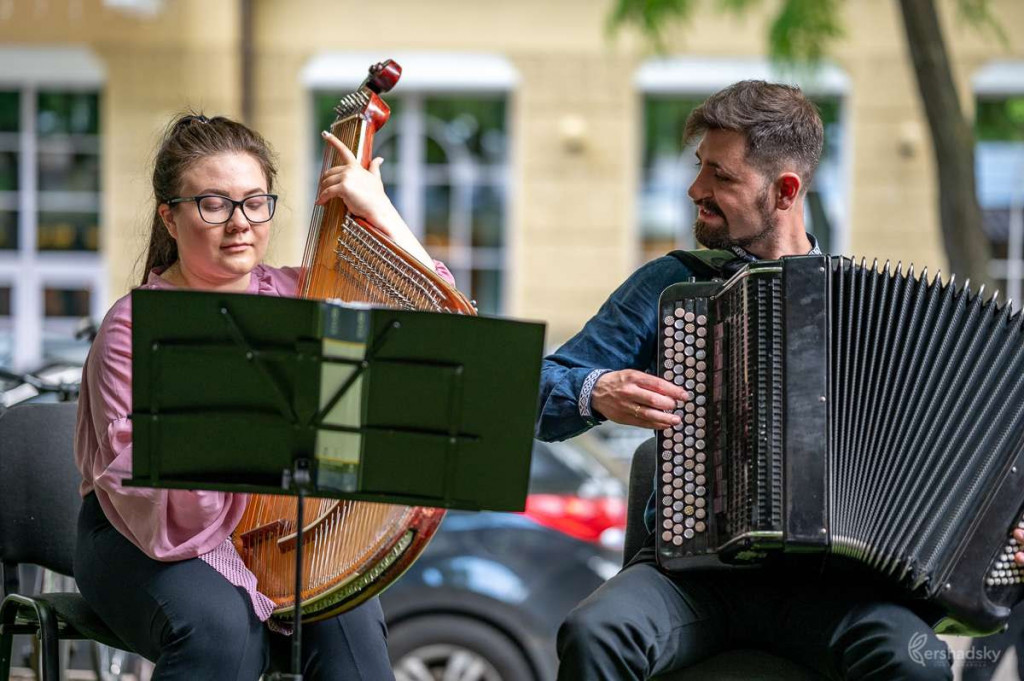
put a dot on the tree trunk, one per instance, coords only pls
(966, 244)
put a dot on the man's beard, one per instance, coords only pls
(717, 235)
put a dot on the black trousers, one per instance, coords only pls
(643, 622)
(986, 653)
(194, 624)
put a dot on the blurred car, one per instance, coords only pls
(484, 601)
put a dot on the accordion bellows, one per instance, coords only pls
(845, 410)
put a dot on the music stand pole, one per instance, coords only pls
(299, 481)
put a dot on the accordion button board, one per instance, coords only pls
(684, 492)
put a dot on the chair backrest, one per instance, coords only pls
(641, 484)
(39, 499)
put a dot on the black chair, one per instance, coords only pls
(39, 504)
(738, 665)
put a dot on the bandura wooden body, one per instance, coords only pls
(352, 550)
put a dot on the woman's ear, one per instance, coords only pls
(788, 190)
(167, 216)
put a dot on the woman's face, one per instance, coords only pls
(218, 257)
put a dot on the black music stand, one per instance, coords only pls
(268, 395)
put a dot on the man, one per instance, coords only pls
(759, 146)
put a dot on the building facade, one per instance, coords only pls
(533, 152)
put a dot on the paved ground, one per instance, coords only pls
(1005, 672)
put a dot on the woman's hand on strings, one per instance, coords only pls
(362, 191)
(635, 398)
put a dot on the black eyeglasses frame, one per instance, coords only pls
(235, 205)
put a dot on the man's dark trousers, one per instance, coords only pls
(643, 622)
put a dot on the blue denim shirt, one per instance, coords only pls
(622, 335)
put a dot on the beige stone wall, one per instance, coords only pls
(156, 67)
(572, 227)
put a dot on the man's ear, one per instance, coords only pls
(788, 189)
(167, 215)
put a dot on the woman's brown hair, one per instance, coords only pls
(189, 139)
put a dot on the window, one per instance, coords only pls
(446, 171)
(665, 212)
(51, 272)
(999, 169)
(445, 153)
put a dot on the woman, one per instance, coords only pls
(158, 565)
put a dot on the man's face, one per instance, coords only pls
(733, 198)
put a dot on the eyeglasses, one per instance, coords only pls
(216, 210)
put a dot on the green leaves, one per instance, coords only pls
(801, 30)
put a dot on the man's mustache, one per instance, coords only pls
(710, 206)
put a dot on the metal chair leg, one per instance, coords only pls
(49, 643)
(8, 612)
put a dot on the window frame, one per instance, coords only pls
(27, 270)
(996, 79)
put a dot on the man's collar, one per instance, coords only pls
(745, 256)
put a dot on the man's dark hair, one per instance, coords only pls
(781, 125)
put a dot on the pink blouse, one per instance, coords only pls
(166, 524)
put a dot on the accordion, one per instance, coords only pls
(847, 411)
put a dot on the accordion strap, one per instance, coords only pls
(705, 263)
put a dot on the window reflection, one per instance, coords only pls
(999, 172)
(68, 171)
